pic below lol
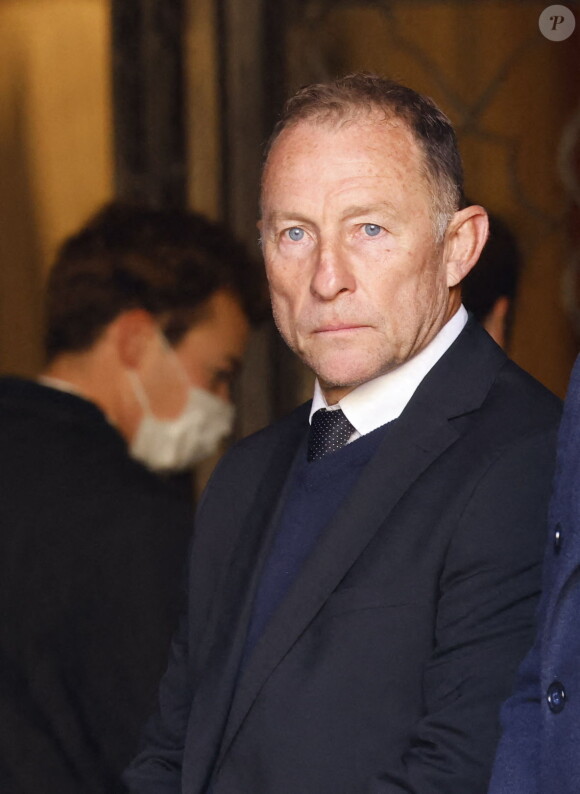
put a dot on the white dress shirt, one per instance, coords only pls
(59, 385)
(383, 399)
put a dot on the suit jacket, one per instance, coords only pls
(538, 751)
(384, 667)
(91, 567)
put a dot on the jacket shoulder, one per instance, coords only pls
(523, 400)
(290, 426)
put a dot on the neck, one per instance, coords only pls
(94, 377)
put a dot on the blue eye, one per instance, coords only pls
(296, 234)
(371, 229)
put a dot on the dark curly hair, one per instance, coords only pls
(164, 261)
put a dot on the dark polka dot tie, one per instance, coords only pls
(329, 431)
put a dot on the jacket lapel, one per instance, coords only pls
(219, 658)
(252, 542)
(384, 481)
(457, 385)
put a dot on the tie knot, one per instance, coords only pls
(329, 431)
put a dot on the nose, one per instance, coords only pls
(333, 273)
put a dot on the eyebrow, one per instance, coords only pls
(365, 209)
(350, 212)
(276, 216)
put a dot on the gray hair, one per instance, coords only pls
(342, 99)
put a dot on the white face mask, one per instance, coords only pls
(169, 445)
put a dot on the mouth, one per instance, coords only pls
(335, 328)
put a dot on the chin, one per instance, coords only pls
(345, 373)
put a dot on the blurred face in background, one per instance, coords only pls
(183, 393)
(208, 356)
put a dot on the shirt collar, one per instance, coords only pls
(60, 385)
(383, 399)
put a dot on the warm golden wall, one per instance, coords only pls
(510, 92)
(55, 150)
(203, 108)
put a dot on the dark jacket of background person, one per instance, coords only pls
(91, 546)
(146, 316)
(539, 750)
(384, 668)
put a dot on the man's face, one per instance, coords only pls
(211, 352)
(208, 356)
(357, 279)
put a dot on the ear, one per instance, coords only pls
(464, 241)
(131, 333)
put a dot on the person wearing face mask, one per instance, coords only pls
(171, 445)
(147, 316)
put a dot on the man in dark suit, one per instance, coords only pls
(364, 572)
(143, 306)
(538, 752)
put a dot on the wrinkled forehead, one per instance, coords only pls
(337, 118)
(385, 133)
